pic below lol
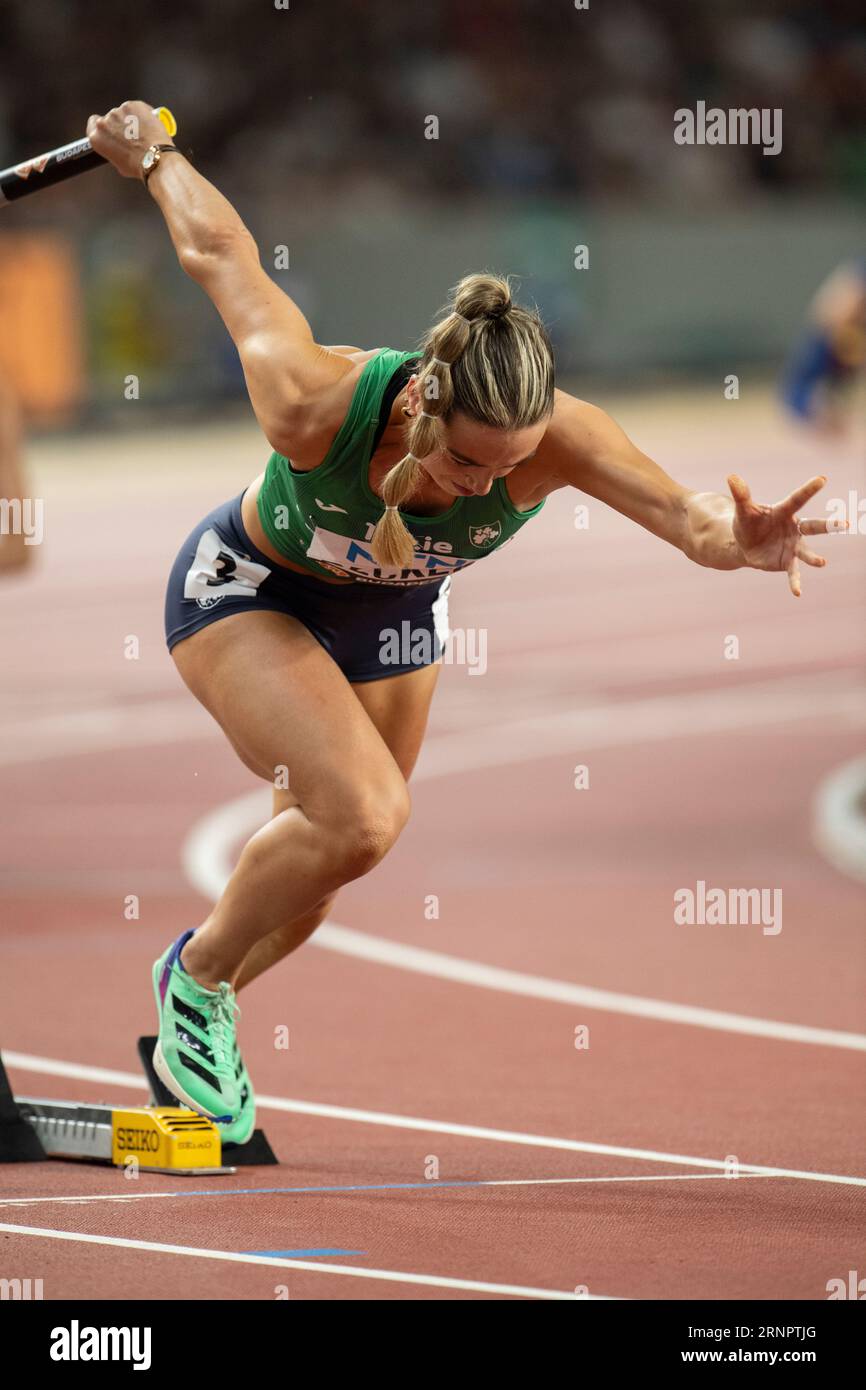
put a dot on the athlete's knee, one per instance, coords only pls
(363, 828)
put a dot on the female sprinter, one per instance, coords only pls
(391, 470)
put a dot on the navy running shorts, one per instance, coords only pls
(372, 631)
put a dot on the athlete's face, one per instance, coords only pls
(473, 456)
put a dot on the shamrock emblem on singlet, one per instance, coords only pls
(483, 536)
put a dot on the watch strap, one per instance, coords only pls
(146, 173)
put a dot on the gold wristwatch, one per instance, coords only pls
(151, 157)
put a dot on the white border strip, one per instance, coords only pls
(46, 1066)
(391, 1276)
(207, 860)
(468, 972)
(370, 1189)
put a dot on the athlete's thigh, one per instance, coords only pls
(399, 707)
(283, 702)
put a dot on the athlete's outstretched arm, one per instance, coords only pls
(584, 448)
(285, 369)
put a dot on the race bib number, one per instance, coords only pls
(353, 558)
(217, 571)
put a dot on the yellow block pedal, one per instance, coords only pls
(162, 1138)
(166, 1137)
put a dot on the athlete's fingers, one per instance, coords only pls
(810, 557)
(795, 500)
(794, 577)
(822, 526)
(739, 490)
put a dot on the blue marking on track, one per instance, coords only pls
(354, 1187)
(303, 1254)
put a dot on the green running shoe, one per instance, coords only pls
(195, 1050)
(239, 1131)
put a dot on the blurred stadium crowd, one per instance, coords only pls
(533, 96)
(312, 120)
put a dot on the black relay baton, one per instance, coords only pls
(43, 170)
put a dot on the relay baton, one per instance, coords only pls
(21, 180)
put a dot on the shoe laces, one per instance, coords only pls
(224, 1011)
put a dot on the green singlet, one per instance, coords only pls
(323, 520)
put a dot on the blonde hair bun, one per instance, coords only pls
(486, 357)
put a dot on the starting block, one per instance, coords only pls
(163, 1137)
(256, 1152)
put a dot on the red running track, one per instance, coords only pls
(605, 648)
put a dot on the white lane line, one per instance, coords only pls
(367, 1187)
(47, 1066)
(839, 818)
(379, 949)
(76, 1071)
(208, 859)
(390, 1276)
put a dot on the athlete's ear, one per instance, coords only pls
(413, 397)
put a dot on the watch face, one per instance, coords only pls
(149, 159)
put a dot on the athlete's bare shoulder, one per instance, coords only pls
(569, 432)
(573, 421)
(327, 410)
(577, 430)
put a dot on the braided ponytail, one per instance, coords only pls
(486, 357)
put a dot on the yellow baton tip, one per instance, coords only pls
(168, 120)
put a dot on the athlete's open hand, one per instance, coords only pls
(124, 133)
(771, 538)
